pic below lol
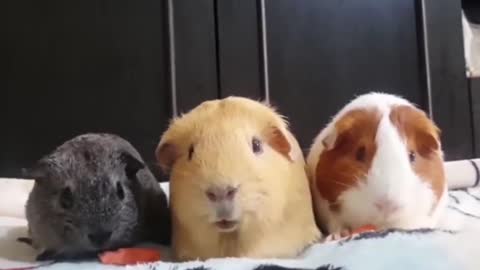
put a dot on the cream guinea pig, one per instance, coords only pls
(238, 185)
(378, 162)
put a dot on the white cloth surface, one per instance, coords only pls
(397, 250)
(462, 173)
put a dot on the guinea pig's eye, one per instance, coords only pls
(190, 152)
(411, 156)
(256, 146)
(120, 192)
(361, 153)
(66, 198)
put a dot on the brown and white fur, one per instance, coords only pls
(379, 162)
(238, 186)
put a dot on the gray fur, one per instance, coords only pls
(91, 165)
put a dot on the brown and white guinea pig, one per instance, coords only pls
(378, 162)
(238, 185)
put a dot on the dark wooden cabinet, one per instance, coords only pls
(474, 87)
(194, 52)
(472, 10)
(127, 67)
(315, 56)
(82, 66)
(329, 51)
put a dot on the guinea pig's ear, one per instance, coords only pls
(426, 136)
(166, 153)
(278, 141)
(329, 141)
(132, 165)
(340, 134)
(427, 141)
(415, 125)
(337, 137)
(38, 172)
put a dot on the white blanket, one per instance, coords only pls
(455, 246)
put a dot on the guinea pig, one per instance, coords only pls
(378, 162)
(238, 185)
(93, 193)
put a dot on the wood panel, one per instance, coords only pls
(474, 85)
(472, 10)
(323, 53)
(81, 66)
(239, 48)
(195, 52)
(449, 90)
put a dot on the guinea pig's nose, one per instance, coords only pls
(99, 238)
(386, 206)
(221, 193)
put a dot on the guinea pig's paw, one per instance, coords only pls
(336, 236)
(25, 240)
(47, 255)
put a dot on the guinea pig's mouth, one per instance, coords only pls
(226, 225)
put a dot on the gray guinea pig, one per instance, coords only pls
(94, 193)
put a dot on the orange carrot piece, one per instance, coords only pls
(366, 228)
(127, 256)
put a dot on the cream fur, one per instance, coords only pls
(390, 175)
(273, 202)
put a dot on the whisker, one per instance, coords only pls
(337, 202)
(340, 183)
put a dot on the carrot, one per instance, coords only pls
(126, 256)
(366, 228)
